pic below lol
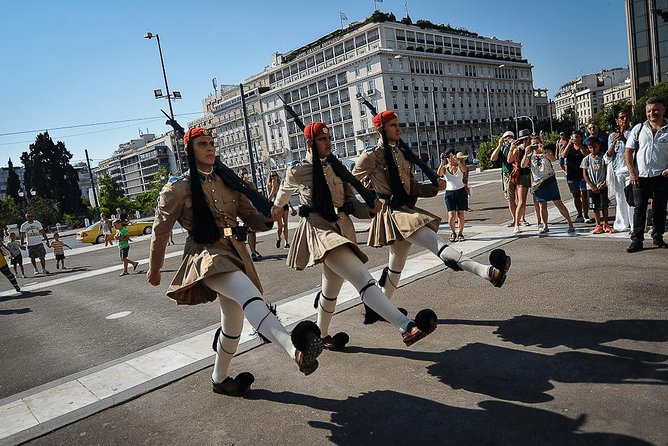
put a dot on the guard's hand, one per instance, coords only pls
(377, 206)
(153, 276)
(664, 173)
(441, 184)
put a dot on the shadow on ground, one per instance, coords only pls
(389, 417)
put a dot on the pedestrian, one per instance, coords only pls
(647, 161)
(15, 247)
(544, 182)
(594, 131)
(106, 226)
(595, 171)
(4, 269)
(400, 224)
(561, 144)
(620, 176)
(523, 179)
(326, 236)
(122, 216)
(273, 184)
(252, 238)
(456, 199)
(58, 247)
(124, 246)
(32, 233)
(206, 201)
(501, 153)
(574, 153)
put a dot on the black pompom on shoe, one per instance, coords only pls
(336, 342)
(238, 386)
(306, 339)
(425, 324)
(499, 260)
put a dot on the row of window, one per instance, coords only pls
(457, 44)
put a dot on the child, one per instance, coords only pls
(14, 247)
(124, 246)
(4, 269)
(58, 250)
(594, 170)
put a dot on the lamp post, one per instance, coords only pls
(489, 113)
(417, 131)
(175, 95)
(533, 128)
(514, 101)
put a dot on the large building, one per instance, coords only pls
(438, 79)
(136, 162)
(647, 30)
(584, 95)
(621, 92)
(4, 175)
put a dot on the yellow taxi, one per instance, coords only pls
(93, 233)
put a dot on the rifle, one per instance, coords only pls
(408, 154)
(339, 169)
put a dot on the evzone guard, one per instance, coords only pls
(326, 235)
(206, 201)
(399, 223)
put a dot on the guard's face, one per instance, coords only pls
(393, 131)
(204, 151)
(323, 145)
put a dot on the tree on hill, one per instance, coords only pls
(13, 182)
(48, 171)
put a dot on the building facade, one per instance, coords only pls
(584, 95)
(4, 175)
(621, 92)
(647, 33)
(135, 163)
(448, 87)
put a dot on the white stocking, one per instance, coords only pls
(427, 238)
(238, 287)
(232, 322)
(331, 286)
(398, 255)
(343, 262)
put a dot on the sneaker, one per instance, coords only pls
(571, 230)
(660, 243)
(134, 267)
(37, 273)
(460, 238)
(579, 219)
(124, 273)
(57, 267)
(44, 271)
(544, 230)
(510, 225)
(453, 237)
(238, 386)
(607, 228)
(589, 220)
(634, 247)
(597, 230)
(287, 245)
(525, 223)
(278, 243)
(516, 230)
(253, 257)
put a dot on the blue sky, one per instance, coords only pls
(70, 63)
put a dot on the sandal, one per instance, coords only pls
(460, 237)
(453, 237)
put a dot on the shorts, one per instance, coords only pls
(124, 252)
(546, 191)
(60, 256)
(456, 200)
(598, 200)
(18, 260)
(525, 181)
(35, 251)
(509, 189)
(576, 185)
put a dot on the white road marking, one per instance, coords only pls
(119, 315)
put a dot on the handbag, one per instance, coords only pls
(628, 194)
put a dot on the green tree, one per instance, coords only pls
(485, 151)
(45, 210)
(13, 182)
(605, 118)
(111, 195)
(49, 172)
(10, 212)
(660, 90)
(147, 201)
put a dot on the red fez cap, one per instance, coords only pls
(194, 133)
(383, 118)
(315, 129)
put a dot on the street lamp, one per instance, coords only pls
(514, 101)
(157, 93)
(533, 128)
(489, 113)
(23, 194)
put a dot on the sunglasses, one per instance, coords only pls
(622, 117)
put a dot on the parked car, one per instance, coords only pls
(93, 233)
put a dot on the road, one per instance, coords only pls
(72, 321)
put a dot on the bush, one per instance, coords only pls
(485, 151)
(73, 221)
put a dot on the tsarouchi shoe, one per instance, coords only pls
(336, 342)
(238, 386)
(425, 323)
(306, 339)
